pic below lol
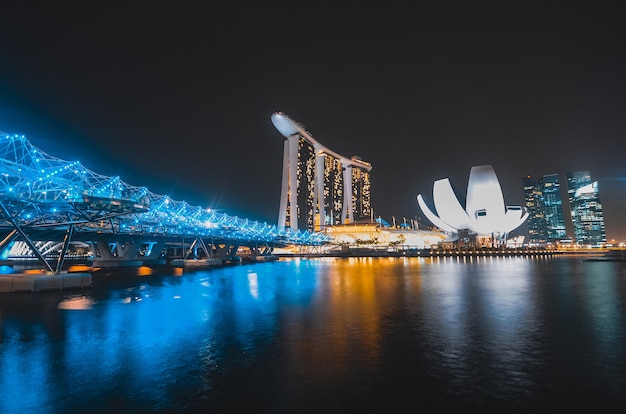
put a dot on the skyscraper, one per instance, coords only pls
(586, 209)
(319, 186)
(545, 207)
(553, 205)
(533, 197)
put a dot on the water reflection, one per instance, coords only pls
(80, 302)
(321, 335)
(481, 319)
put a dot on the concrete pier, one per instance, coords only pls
(43, 281)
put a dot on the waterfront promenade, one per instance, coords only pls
(28, 277)
(434, 252)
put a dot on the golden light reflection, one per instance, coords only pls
(144, 271)
(361, 291)
(76, 303)
(81, 268)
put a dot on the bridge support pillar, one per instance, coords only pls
(265, 250)
(25, 237)
(228, 252)
(153, 253)
(117, 254)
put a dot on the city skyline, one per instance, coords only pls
(545, 204)
(179, 97)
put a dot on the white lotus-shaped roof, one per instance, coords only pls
(485, 212)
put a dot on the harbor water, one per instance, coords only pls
(324, 335)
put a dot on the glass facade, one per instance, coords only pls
(586, 209)
(553, 205)
(544, 203)
(534, 205)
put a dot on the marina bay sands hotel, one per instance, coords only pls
(319, 186)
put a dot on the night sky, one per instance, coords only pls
(177, 96)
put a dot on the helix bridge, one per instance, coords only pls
(47, 203)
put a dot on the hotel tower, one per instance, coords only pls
(319, 186)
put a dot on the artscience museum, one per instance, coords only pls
(484, 214)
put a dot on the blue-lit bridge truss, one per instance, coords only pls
(45, 198)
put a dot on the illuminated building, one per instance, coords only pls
(375, 235)
(484, 214)
(533, 198)
(545, 208)
(319, 186)
(586, 209)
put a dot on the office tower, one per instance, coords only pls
(553, 205)
(545, 207)
(586, 209)
(319, 186)
(533, 196)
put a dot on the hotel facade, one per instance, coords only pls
(319, 186)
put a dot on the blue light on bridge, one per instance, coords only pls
(32, 178)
